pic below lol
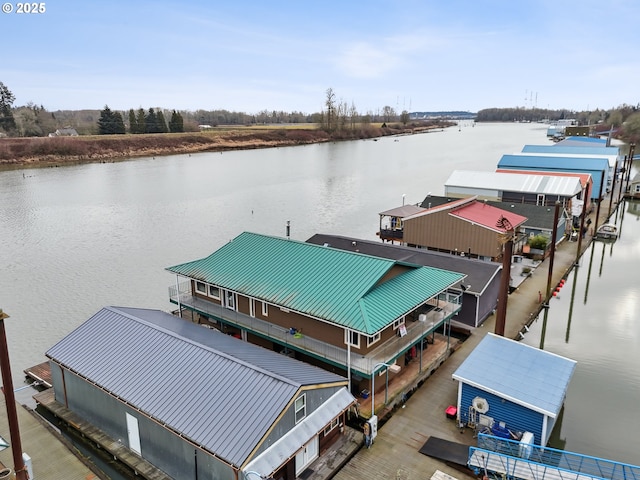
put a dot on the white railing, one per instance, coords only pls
(387, 352)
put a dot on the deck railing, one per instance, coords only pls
(442, 309)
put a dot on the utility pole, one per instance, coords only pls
(556, 215)
(10, 401)
(503, 294)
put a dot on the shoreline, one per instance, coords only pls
(41, 152)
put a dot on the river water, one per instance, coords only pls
(74, 239)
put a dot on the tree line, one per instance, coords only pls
(335, 117)
(151, 121)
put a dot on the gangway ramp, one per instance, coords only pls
(513, 460)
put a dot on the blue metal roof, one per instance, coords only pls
(517, 372)
(572, 150)
(344, 288)
(190, 378)
(574, 140)
(591, 165)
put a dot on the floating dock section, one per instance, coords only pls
(516, 460)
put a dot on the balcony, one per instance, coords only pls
(437, 312)
(391, 234)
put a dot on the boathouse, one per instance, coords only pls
(510, 388)
(479, 288)
(533, 189)
(344, 311)
(586, 182)
(597, 167)
(194, 402)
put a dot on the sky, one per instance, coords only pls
(249, 56)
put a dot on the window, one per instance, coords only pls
(265, 309)
(334, 423)
(373, 339)
(214, 292)
(301, 407)
(252, 307)
(352, 338)
(398, 322)
(201, 287)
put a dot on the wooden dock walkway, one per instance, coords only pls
(395, 453)
(52, 457)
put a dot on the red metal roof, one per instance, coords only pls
(488, 216)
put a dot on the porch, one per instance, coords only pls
(437, 313)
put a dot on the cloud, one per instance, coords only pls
(374, 59)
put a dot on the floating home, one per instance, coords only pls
(344, 311)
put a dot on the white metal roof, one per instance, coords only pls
(514, 182)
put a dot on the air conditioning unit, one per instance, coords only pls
(422, 317)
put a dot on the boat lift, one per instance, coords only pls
(515, 460)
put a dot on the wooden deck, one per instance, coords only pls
(41, 374)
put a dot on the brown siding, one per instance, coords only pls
(442, 231)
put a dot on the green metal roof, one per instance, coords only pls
(344, 288)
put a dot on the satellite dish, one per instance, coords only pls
(480, 405)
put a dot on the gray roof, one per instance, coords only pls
(193, 379)
(403, 211)
(478, 273)
(538, 216)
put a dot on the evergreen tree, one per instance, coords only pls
(133, 122)
(7, 122)
(176, 124)
(161, 122)
(106, 122)
(110, 123)
(118, 124)
(151, 122)
(141, 122)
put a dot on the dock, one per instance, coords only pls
(52, 456)
(395, 452)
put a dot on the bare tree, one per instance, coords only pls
(353, 115)
(330, 104)
(404, 117)
(388, 113)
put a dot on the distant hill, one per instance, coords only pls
(452, 115)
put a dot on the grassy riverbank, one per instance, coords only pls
(49, 151)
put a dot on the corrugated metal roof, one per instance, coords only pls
(340, 287)
(575, 140)
(584, 177)
(403, 211)
(192, 379)
(478, 273)
(488, 216)
(554, 162)
(574, 150)
(512, 182)
(522, 374)
(287, 446)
